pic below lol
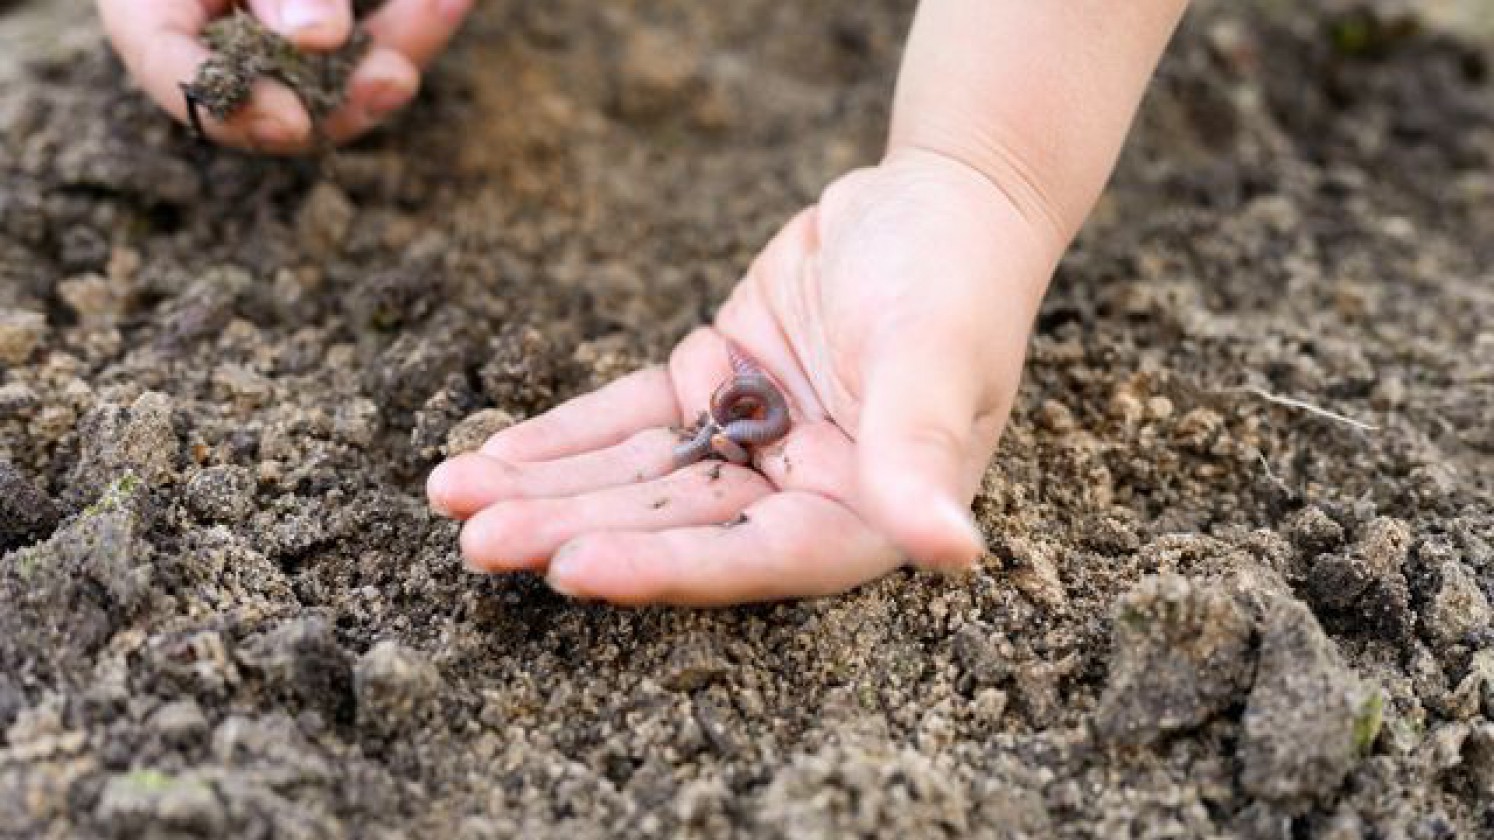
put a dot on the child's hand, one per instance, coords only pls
(159, 43)
(895, 315)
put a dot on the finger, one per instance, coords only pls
(815, 457)
(748, 314)
(384, 82)
(273, 122)
(418, 28)
(310, 24)
(602, 418)
(697, 367)
(523, 534)
(790, 545)
(158, 44)
(468, 483)
(915, 445)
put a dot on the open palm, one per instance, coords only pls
(894, 315)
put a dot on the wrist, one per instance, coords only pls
(1038, 97)
(1001, 169)
(1014, 234)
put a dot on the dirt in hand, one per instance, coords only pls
(244, 51)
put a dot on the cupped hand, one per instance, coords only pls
(894, 315)
(159, 42)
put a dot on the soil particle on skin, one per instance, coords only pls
(1244, 492)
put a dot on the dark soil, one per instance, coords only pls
(245, 50)
(1208, 611)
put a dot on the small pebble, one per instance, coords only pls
(397, 689)
(26, 513)
(1456, 606)
(473, 431)
(222, 493)
(21, 332)
(180, 723)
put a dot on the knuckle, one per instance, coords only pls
(506, 522)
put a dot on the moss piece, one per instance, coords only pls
(1367, 723)
(149, 781)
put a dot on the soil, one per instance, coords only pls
(245, 50)
(1241, 525)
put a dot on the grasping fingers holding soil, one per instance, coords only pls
(161, 43)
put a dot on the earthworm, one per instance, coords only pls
(752, 409)
(747, 411)
(698, 447)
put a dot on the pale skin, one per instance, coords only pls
(894, 314)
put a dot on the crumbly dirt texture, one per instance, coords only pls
(244, 51)
(1241, 525)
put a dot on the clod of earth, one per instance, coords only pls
(1309, 717)
(1182, 654)
(397, 689)
(26, 513)
(244, 51)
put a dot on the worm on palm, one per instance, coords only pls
(747, 411)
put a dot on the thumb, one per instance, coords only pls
(916, 444)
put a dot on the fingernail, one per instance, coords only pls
(298, 16)
(384, 98)
(270, 134)
(454, 10)
(959, 516)
(563, 572)
(436, 489)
